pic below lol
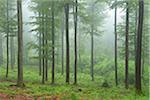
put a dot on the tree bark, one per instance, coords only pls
(92, 47)
(7, 40)
(53, 44)
(46, 50)
(92, 54)
(40, 45)
(127, 47)
(62, 51)
(75, 42)
(139, 47)
(43, 51)
(67, 44)
(116, 65)
(135, 37)
(20, 44)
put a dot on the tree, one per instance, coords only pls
(53, 44)
(43, 50)
(7, 41)
(139, 47)
(115, 30)
(75, 41)
(40, 49)
(8, 26)
(62, 41)
(126, 46)
(20, 44)
(46, 43)
(67, 43)
(91, 20)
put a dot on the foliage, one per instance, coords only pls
(86, 89)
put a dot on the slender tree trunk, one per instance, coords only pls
(43, 51)
(7, 41)
(139, 47)
(116, 65)
(75, 42)
(40, 45)
(79, 51)
(126, 47)
(53, 44)
(62, 51)
(67, 44)
(46, 51)
(92, 54)
(20, 44)
(40, 53)
(92, 46)
(135, 37)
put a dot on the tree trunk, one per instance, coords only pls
(126, 47)
(46, 50)
(43, 51)
(135, 37)
(7, 41)
(67, 44)
(75, 42)
(53, 44)
(92, 46)
(139, 47)
(116, 65)
(40, 45)
(20, 44)
(62, 51)
(92, 54)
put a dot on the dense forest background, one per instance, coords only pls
(75, 49)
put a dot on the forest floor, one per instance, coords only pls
(84, 90)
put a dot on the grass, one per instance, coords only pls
(84, 90)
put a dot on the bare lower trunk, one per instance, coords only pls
(40, 51)
(43, 51)
(75, 42)
(20, 44)
(7, 41)
(67, 44)
(46, 51)
(53, 45)
(139, 47)
(116, 65)
(126, 47)
(62, 41)
(92, 57)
